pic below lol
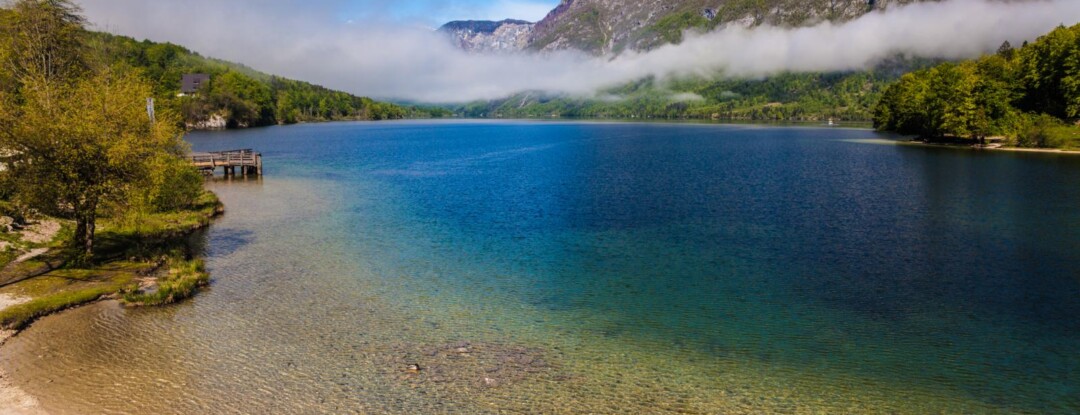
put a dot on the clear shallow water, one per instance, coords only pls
(605, 268)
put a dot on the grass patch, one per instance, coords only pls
(128, 250)
(18, 317)
(9, 237)
(6, 257)
(206, 206)
(60, 290)
(184, 279)
(151, 236)
(61, 280)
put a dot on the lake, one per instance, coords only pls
(574, 267)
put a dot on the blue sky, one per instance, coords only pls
(437, 12)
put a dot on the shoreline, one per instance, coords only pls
(14, 400)
(866, 125)
(977, 147)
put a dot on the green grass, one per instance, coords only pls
(66, 288)
(164, 224)
(183, 281)
(6, 257)
(151, 236)
(128, 250)
(20, 316)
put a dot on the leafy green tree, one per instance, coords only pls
(903, 106)
(80, 137)
(45, 40)
(87, 149)
(950, 101)
(1037, 131)
(994, 92)
(1045, 69)
(1024, 94)
(1006, 51)
(247, 100)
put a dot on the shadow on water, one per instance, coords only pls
(226, 241)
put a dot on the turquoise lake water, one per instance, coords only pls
(601, 268)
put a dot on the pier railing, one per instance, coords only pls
(249, 161)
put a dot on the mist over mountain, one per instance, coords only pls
(387, 58)
(601, 27)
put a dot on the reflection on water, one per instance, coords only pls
(605, 268)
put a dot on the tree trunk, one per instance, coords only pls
(88, 242)
(85, 226)
(80, 231)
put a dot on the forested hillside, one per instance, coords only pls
(237, 95)
(1029, 95)
(846, 96)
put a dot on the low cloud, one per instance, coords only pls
(389, 58)
(686, 97)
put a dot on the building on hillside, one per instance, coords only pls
(192, 82)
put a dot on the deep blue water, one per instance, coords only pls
(668, 268)
(969, 257)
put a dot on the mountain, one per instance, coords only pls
(484, 36)
(609, 27)
(605, 27)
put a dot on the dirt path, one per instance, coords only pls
(34, 253)
(41, 232)
(11, 273)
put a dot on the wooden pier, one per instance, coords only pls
(247, 160)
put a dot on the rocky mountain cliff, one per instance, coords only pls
(612, 26)
(489, 37)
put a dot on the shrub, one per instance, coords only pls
(1043, 131)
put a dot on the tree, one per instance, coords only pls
(950, 101)
(80, 136)
(1006, 50)
(248, 101)
(1044, 66)
(994, 94)
(90, 148)
(902, 107)
(45, 39)
(1026, 94)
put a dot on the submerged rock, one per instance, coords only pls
(462, 367)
